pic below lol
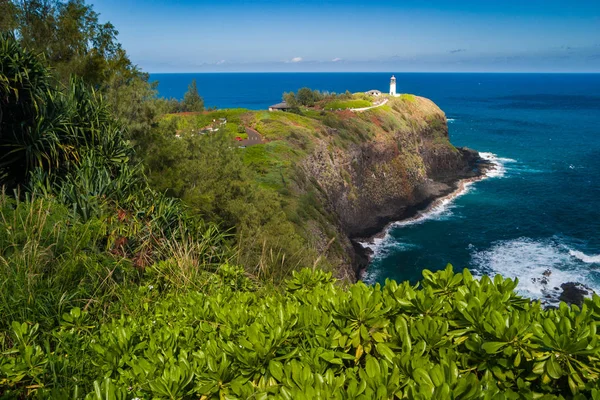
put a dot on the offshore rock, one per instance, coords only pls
(574, 293)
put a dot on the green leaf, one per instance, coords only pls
(422, 377)
(493, 347)
(372, 367)
(276, 369)
(553, 368)
(517, 361)
(385, 351)
(437, 375)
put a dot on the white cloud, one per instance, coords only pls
(336, 59)
(296, 59)
(220, 62)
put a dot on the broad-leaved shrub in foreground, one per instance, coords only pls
(449, 337)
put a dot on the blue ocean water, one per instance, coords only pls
(539, 211)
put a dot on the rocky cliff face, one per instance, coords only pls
(400, 169)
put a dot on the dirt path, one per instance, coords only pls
(368, 108)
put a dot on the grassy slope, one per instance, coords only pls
(345, 104)
(290, 137)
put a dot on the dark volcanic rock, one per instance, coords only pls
(574, 293)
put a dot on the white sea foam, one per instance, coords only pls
(439, 209)
(584, 257)
(542, 266)
(498, 169)
(382, 246)
(450, 120)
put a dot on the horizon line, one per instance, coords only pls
(380, 72)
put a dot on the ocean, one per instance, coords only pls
(537, 214)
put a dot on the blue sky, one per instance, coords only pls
(351, 35)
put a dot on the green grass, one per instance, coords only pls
(346, 104)
(195, 121)
(272, 162)
(409, 98)
(257, 157)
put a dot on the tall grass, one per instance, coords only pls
(49, 261)
(52, 259)
(186, 263)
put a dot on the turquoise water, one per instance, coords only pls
(539, 211)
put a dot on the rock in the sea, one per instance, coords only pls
(574, 293)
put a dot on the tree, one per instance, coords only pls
(75, 43)
(290, 99)
(8, 13)
(70, 35)
(192, 100)
(306, 97)
(58, 139)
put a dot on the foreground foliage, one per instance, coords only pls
(451, 337)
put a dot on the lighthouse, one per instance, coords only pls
(393, 86)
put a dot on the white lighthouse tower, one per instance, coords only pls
(393, 86)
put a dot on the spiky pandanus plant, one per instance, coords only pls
(49, 129)
(31, 121)
(64, 142)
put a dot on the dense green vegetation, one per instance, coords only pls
(212, 178)
(454, 337)
(143, 255)
(306, 97)
(76, 211)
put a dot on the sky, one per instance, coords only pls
(350, 35)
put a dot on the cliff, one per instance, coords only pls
(323, 178)
(407, 162)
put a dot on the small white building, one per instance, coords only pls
(393, 86)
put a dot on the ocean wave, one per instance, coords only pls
(584, 257)
(542, 266)
(382, 246)
(498, 169)
(450, 120)
(439, 209)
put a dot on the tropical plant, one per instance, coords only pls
(449, 337)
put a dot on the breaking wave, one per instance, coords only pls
(584, 257)
(542, 266)
(499, 164)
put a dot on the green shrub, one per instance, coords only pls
(449, 337)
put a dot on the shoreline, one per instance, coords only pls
(364, 244)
